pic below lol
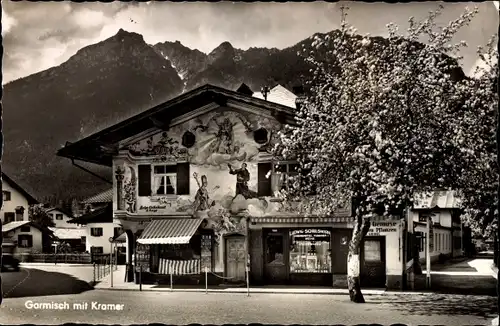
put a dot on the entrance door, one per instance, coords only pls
(373, 262)
(340, 249)
(275, 268)
(235, 258)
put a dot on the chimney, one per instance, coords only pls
(19, 213)
(301, 97)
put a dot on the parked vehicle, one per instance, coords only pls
(9, 263)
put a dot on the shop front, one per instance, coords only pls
(300, 255)
(178, 248)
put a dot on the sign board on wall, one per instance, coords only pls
(311, 235)
(382, 228)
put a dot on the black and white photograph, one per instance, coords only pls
(316, 163)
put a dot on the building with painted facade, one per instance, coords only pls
(195, 189)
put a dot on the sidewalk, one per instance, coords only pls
(119, 284)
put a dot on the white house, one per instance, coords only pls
(60, 217)
(27, 237)
(99, 228)
(16, 201)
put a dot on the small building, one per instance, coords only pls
(446, 240)
(60, 217)
(16, 201)
(99, 228)
(72, 237)
(27, 237)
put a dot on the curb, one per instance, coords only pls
(271, 291)
(52, 264)
(234, 292)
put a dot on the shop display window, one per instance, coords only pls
(310, 251)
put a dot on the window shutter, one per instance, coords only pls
(144, 180)
(264, 184)
(183, 178)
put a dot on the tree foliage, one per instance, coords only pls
(380, 124)
(38, 214)
(477, 136)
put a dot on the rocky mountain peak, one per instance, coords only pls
(224, 51)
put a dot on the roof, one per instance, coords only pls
(68, 233)
(99, 148)
(13, 184)
(437, 200)
(60, 209)
(122, 237)
(170, 231)
(17, 224)
(280, 95)
(101, 215)
(102, 197)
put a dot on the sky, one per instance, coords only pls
(39, 35)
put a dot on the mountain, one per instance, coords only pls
(107, 82)
(98, 86)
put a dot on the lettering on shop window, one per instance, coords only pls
(378, 228)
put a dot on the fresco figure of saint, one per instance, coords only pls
(202, 199)
(224, 143)
(242, 178)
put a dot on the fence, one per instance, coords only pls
(54, 258)
(103, 265)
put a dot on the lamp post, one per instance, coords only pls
(111, 259)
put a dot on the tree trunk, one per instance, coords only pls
(353, 260)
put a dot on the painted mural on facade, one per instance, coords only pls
(222, 148)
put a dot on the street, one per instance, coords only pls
(49, 281)
(185, 308)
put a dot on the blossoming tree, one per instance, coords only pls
(378, 125)
(477, 138)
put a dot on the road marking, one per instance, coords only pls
(15, 286)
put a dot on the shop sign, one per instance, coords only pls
(382, 228)
(152, 208)
(311, 235)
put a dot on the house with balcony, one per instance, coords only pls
(195, 189)
(16, 201)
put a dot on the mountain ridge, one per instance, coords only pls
(112, 80)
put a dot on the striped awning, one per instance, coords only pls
(169, 231)
(302, 220)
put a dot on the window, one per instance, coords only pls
(96, 232)
(310, 251)
(25, 228)
(59, 217)
(372, 251)
(24, 241)
(6, 195)
(9, 217)
(96, 250)
(165, 180)
(84, 239)
(280, 174)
